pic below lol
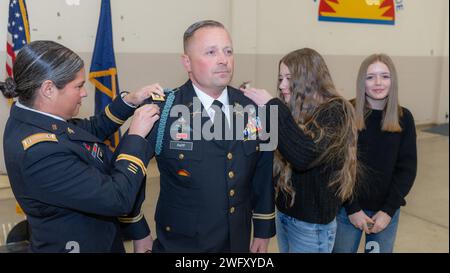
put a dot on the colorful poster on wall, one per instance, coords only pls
(358, 11)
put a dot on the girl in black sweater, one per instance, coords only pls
(387, 150)
(315, 162)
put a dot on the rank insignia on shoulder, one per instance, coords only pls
(245, 85)
(37, 138)
(156, 97)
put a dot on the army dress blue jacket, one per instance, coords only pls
(211, 192)
(75, 198)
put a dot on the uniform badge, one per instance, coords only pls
(182, 135)
(70, 131)
(183, 172)
(238, 109)
(181, 145)
(181, 129)
(100, 154)
(252, 128)
(54, 127)
(94, 150)
(87, 146)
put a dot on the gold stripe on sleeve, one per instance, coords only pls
(112, 117)
(133, 159)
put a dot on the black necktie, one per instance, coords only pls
(220, 120)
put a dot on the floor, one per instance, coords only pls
(423, 223)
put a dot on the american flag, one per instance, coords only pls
(18, 32)
(18, 36)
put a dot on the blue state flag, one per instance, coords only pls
(103, 72)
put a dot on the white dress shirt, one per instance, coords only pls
(18, 104)
(207, 101)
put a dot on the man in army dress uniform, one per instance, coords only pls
(210, 190)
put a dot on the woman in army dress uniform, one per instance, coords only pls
(61, 173)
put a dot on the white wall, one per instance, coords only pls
(443, 101)
(285, 25)
(418, 44)
(258, 26)
(139, 25)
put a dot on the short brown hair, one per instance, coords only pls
(196, 26)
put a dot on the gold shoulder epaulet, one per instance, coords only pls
(36, 138)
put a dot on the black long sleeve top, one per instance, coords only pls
(389, 163)
(315, 201)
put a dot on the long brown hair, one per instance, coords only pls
(312, 91)
(392, 111)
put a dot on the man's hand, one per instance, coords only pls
(259, 245)
(144, 245)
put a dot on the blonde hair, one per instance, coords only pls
(312, 91)
(392, 111)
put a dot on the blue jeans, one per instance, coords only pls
(295, 236)
(348, 237)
